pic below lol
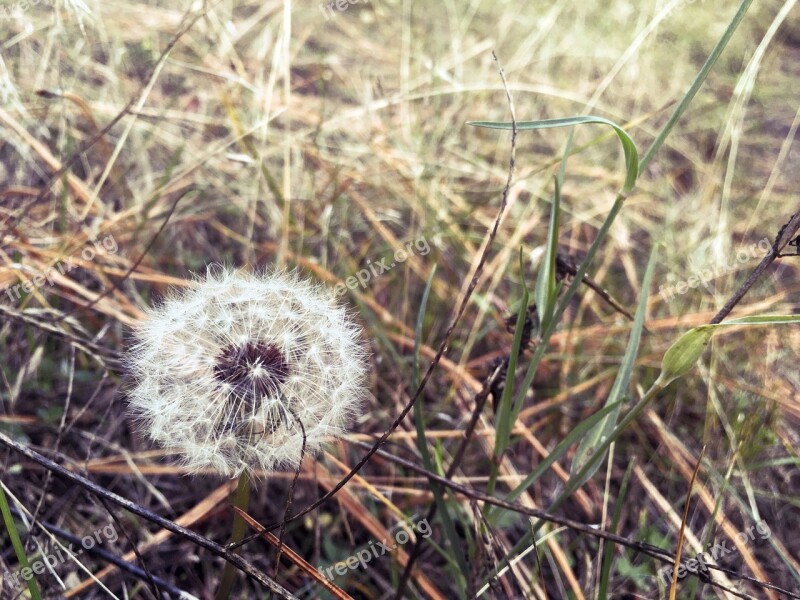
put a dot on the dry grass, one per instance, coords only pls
(296, 140)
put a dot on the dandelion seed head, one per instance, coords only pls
(233, 370)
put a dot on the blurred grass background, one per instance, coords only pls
(324, 139)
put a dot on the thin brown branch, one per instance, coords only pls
(786, 234)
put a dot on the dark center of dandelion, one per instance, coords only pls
(255, 369)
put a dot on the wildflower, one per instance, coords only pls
(241, 370)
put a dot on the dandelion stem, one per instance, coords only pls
(241, 500)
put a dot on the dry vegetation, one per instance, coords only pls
(274, 135)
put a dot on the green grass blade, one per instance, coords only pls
(546, 281)
(505, 414)
(561, 449)
(761, 320)
(562, 305)
(11, 528)
(589, 444)
(696, 84)
(580, 477)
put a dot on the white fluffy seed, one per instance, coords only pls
(233, 370)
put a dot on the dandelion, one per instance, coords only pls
(246, 371)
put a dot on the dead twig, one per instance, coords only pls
(786, 236)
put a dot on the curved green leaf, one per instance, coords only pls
(628, 147)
